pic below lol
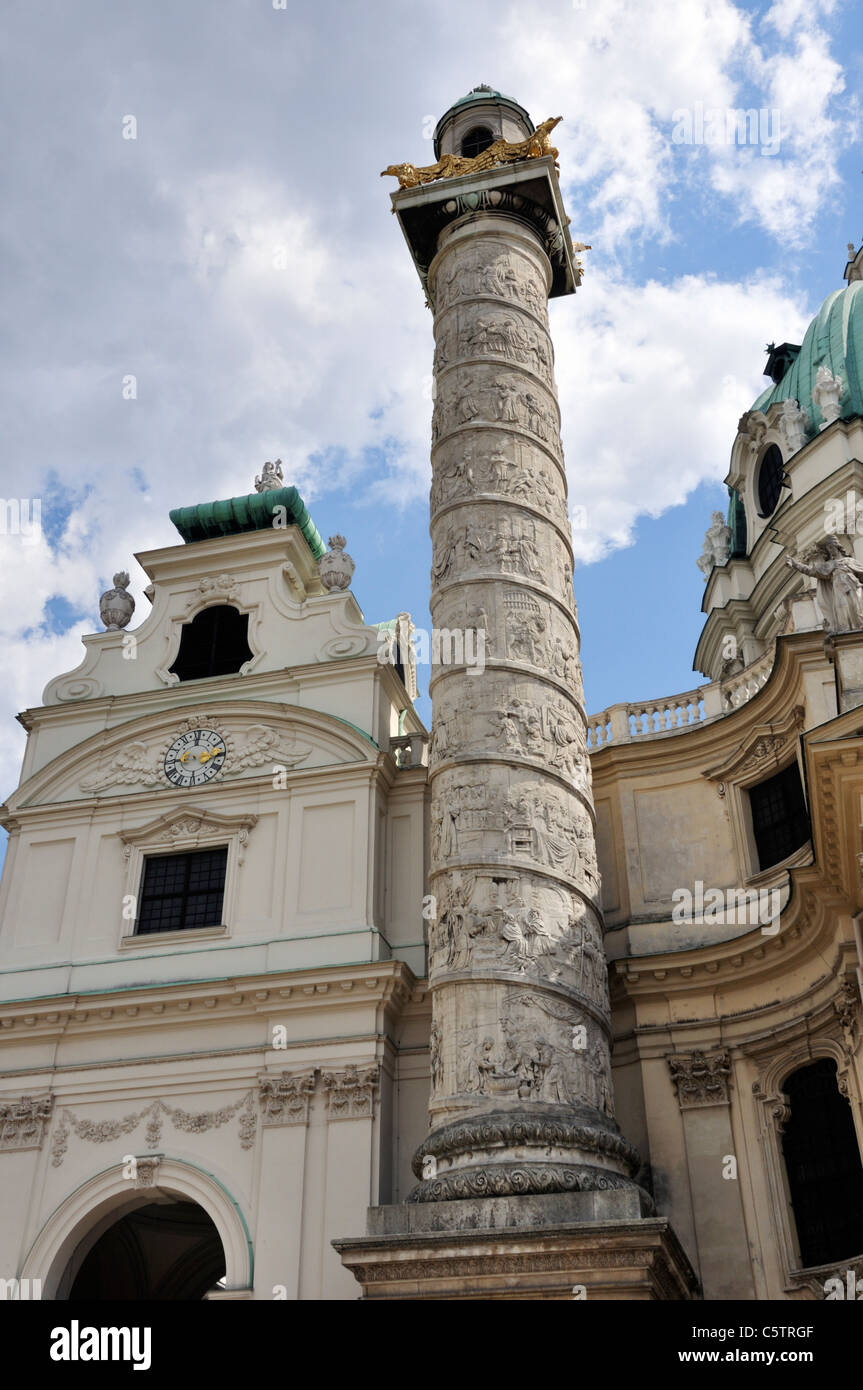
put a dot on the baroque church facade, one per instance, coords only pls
(301, 1001)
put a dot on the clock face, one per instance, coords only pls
(195, 758)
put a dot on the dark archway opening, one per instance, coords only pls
(822, 1159)
(214, 643)
(166, 1251)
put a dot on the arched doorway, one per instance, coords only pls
(166, 1250)
(822, 1161)
(158, 1237)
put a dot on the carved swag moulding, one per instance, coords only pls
(107, 1131)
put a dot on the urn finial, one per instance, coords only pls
(336, 568)
(116, 606)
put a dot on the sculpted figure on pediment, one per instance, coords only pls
(133, 764)
(839, 591)
(264, 746)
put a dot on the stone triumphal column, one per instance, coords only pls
(525, 1186)
(521, 1076)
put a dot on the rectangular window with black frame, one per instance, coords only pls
(182, 891)
(780, 821)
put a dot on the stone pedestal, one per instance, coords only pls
(584, 1245)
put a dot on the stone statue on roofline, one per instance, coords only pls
(839, 592)
(271, 477)
(795, 425)
(827, 393)
(717, 545)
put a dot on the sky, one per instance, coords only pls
(201, 272)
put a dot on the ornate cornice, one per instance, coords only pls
(811, 924)
(388, 983)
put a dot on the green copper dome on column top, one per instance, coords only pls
(255, 512)
(480, 94)
(833, 339)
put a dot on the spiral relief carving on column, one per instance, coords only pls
(521, 1070)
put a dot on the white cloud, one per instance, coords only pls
(652, 381)
(161, 257)
(620, 70)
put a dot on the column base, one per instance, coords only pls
(542, 1247)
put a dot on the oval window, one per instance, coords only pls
(771, 475)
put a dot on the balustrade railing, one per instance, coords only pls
(671, 714)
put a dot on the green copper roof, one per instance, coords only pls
(482, 93)
(834, 338)
(252, 513)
